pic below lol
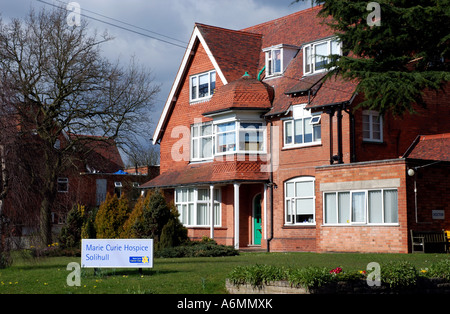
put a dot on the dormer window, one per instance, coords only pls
(278, 58)
(317, 54)
(202, 86)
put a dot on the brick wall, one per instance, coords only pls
(175, 149)
(363, 238)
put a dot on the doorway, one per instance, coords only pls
(257, 230)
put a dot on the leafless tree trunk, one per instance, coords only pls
(57, 85)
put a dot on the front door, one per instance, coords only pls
(257, 231)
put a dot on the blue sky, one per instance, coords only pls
(172, 18)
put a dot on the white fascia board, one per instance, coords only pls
(181, 71)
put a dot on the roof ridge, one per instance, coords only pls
(281, 18)
(228, 29)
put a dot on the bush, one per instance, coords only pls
(70, 235)
(111, 217)
(256, 275)
(310, 277)
(440, 270)
(399, 275)
(205, 248)
(155, 215)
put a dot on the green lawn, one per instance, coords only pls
(175, 275)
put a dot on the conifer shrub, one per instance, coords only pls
(111, 217)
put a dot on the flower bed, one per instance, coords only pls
(395, 278)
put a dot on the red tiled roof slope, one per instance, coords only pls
(430, 147)
(245, 92)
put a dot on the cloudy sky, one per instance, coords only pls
(174, 19)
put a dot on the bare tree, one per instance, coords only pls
(56, 83)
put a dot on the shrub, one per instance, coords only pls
(197, 249)
(155, 214)
(70, 235)
(310, 277)
(111, 217)
(399, 275)
(256, 275)
(440, 269)
(173, 233)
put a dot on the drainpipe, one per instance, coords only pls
(271, 185)
(260, 73)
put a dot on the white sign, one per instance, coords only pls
(438, 214)
(117, 253)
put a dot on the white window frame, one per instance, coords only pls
(372, 114)
(64, 181)
(210, 91)
(237, 136)
(199, 138)
(311, 47)
(349, 211)
(191, 218)
(289, 126)
(291, 201)
(270, 64)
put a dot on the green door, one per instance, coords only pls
(257, 231)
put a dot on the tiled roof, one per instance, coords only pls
(235, 51)
(430, 147)
(244, 93)
(209, 173)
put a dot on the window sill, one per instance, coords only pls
(361, 225)
(299, 226)
(197, 101)
(366, 141)
(301, 146)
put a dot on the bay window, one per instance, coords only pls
(201, 141)
(361, 207)
(193, 204)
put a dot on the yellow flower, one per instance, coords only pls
(423, 270)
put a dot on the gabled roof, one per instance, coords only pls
(234, 52)
(430, 147)
(227, 62)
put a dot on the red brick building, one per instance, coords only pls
(258, 150)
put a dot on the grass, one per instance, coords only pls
(201, 275)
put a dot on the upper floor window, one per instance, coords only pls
(273, 63)
(303, 129)
(202, 141)
(202, 85)
(372, 126)
(317, 55)
(278, 58)
(63, 185)
(226, 137)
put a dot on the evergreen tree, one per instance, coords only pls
(111, 216)
(397, 60)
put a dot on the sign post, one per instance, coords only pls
(117, 253)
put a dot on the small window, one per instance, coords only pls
(202, 85)
(273, 62)
(372, 126)
(201, 141)
(63, 185)
(118, 189)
